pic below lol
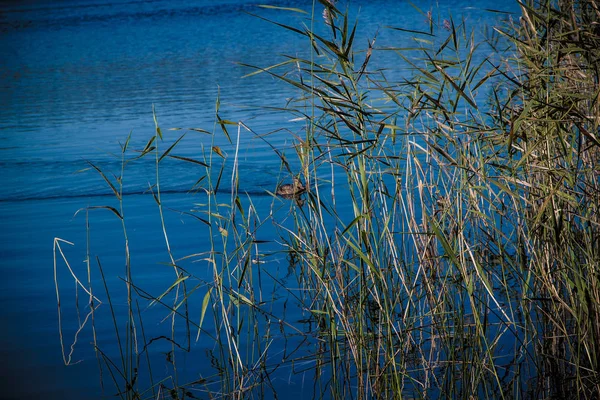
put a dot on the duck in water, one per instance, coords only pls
(289, 191)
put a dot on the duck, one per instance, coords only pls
(291, 190)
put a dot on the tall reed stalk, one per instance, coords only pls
(448, 243)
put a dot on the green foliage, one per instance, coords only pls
(448, 243)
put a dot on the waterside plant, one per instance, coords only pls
(448, 240)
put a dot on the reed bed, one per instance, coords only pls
(448, 241)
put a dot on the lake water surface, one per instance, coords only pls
(76, 77)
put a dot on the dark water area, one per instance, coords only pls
(77, 77)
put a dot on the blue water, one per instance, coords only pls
(78, 76)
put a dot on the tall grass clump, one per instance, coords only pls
(448, 241)
(554, 143)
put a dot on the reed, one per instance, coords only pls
(446, 243)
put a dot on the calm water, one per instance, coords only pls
(76, 77)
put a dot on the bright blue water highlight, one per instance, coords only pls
(76, 77)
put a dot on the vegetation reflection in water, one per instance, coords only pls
(447, 243)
